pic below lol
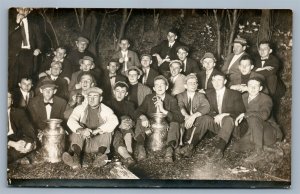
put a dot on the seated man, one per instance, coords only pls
(137, 91)
(239, 82)
(194, 107)
(124, 110)
(166, 51)
(24, 94)
(167, 105)
(225, 106)
(79, 96)
(204, 77)
(127, 58)
(21, 135)
(189, 64)
(262, 128)
(54, 75)
(92, 126)
(148, 72)
(177, 79)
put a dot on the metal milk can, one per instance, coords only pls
(53, 141)
(158, 136)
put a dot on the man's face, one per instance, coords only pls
(254, 87)
(94, 99)
(146, 61)
(9, 100)
(48, 93)
(112, 67)
(171, 37)
(264, 50)
(124, 45)
(182, 54)
(86, 65)
(208, 64)
(238, 48)
(86, 82)
(120, 93)
(218, 82)
(133, 77)
(191, 85)
(81, 46)
(160, 87)
(175, 69)
(245, 67)
(55, 70)
(60, 53)
(23, 11)
(25, 85)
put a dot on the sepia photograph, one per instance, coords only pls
(171, 98)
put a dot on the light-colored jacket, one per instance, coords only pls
(79, 114)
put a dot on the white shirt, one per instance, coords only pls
(173, 79)
(53, 78)
(10, 130)
(49, 109)
(25, 95)
(233, 60)
(146, 72)
(208, 73)
(171, 44)
(25, 25)
(220, 96)
(190, 96)
(184, 65)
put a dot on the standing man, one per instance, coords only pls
(92, 127)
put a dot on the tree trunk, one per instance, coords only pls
(265, 30)
(233, 24)
(81, 19)
(125, 18)
(219, 24)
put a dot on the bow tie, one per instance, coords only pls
(48, 103)
(264, 59)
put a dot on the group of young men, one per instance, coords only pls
(112, 108)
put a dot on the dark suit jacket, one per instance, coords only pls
(202, 77)
(74, 56)
(234, 69)
(18, 99)
(133, 59)
(191, 67)
(76, 76)
(164, 50)
(107, 87)
(22, 127)
(150, 79)
(232, 103)
(66, 66)
(170, 104)
(38, 113)
(199, 103)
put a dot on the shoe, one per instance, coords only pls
(187, 150)
(217, 155)
(169, 155)
(129, 162)
(255, 157)
(100, 160)
(141, 155)
(72, 161)
(23, 161)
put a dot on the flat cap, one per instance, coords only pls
(94, 90)
(240, 40)
(83, 39)
(87, 58)
(48, 83)
(190, 76)
(135, 68)
(208, 55)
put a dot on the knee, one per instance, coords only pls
(204, 119)
(254, 120)
(227, 120)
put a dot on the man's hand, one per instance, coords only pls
(121, 60)
(85, 132)
(98, 131)
(189, 121)
(159, 59)
(20, 146)
(268, 68)
(159, 104)
(218, 118)
(243, 88)
(145, 121)
(36, 52)
(77, 86)
(236, 87)
(239, 119)
(20, 17)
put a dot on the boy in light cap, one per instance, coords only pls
(92, 126)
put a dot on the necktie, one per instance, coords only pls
(219, 102)
(145, 76)
(206, 80)
(190, 109)
(25, 43)
(184, 66)
(48, 103)
(26, 99)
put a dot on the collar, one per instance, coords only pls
(163, 97)
(237, 56)
(124, 52)
(52, 77)
(251, 98)
(190, 94)
(175, 77)
(264, 59)
(221, 91)
(24, 93)
(50, 101)
(171, 44)
(209, 72)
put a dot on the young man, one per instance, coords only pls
(54, 75)
(194, 107)
(46, 106)
(23, 95)
(204, 77)
(188, 64)
(167, 105)
(79, 96)
(231, 64)
(110, 77)
(86, 65)
(148, 72)
(177, 79)
(92, 127)
(166, 52)
(124, 110)
(225, 106)
(21, 135)
(137, 91)
(239, 82)
(126, 57)
(262, 128)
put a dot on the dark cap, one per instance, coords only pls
(208, 55)
(48, 83)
